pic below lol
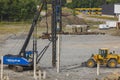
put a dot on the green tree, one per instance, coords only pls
(16, 10)
(90, 3)
(63, 2)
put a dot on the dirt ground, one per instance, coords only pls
(75, 49)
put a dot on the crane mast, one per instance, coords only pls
(23, 49)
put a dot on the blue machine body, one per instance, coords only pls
(18, 60)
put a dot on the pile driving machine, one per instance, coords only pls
(24, 60)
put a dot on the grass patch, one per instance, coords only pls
(104, 17)
(90, 22)
(7, 28)
(67, 10)
(94, 27)
(15, 23)
(13, 27)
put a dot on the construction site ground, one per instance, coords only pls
(75, 49)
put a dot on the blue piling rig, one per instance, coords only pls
(24, 60)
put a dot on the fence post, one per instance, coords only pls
(44, 74)
(40, 75)
(35, 66)
(58, 54)
(98, 68)
(1, 67)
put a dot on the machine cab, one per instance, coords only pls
(103, 52)
(29, 55)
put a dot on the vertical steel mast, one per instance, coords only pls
(56, 27)
(36, 17)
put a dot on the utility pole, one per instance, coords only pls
(56, 27)
(35, 51)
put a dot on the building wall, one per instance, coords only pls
(108, 9)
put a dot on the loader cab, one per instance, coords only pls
(103, 52)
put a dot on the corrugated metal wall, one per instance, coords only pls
(108, 9)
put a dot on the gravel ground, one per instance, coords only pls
(75, 49)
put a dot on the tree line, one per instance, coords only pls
(19, 10)
(90, 3)
(16, 10)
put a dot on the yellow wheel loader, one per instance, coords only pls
(104, 57)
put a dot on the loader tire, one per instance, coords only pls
(112, 63)
(91, 63)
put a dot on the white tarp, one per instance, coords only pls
(103, 26)
(73, 26)
(111, 24)
(117, 8)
